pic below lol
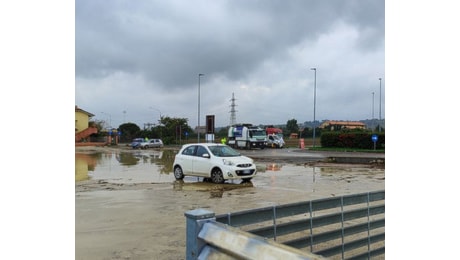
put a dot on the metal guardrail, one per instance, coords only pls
(208, 239)
(346, 227)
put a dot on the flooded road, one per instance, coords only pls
(129, 206)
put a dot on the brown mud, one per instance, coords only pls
(118, 219)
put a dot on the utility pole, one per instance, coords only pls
(199, 77)
(380, 106)
(232, 111)
(314, 111)
(372, 112)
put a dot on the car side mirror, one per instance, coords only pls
(206, 155)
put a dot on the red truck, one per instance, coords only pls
(273, 130)
(274, 137)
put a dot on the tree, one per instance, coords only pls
(99, 124)
(306, 132)
(174, 129)
(129, 131)
(291, 126)
(223, 132)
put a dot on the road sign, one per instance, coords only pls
(375, 138)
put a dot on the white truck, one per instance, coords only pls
(246, 136)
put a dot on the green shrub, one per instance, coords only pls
(348, 139)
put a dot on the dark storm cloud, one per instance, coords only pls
(169, 42)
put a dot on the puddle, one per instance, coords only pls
(155, 167)
(269, 167)
(215, 190)
(129, 201)
(126, 167)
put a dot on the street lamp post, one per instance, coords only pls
(158, 112)
(380, 106)
(314, 110)
(159, 120)
(372, 124)
(199, 77)
(372, 105)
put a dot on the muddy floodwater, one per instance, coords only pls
(128, 204)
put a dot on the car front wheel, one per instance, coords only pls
(217, 176)
(178, 173)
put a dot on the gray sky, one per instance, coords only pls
(45, 47)
(137, 59)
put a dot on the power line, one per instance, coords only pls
(232, 110)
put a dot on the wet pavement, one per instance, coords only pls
(129, 206)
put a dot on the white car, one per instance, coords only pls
(275, 141)
(152, 143)
(218, 162)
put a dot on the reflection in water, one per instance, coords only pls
(268, 167)
(314, 173)
(127, 159)
(336, 169)
(273, 167)
(155, 167)
(300, 176)
(83, 164)
(164, 159)
(113, 165)
(215, 190)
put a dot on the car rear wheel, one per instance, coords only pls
(217, 176)
(178, 173)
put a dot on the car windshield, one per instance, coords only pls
(223, 151)
(258, 132)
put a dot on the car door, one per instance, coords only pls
(186, 159)
(271, 140)
(202, 165)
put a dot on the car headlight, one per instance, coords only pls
(227, 162)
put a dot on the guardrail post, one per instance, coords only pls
(194, 221)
